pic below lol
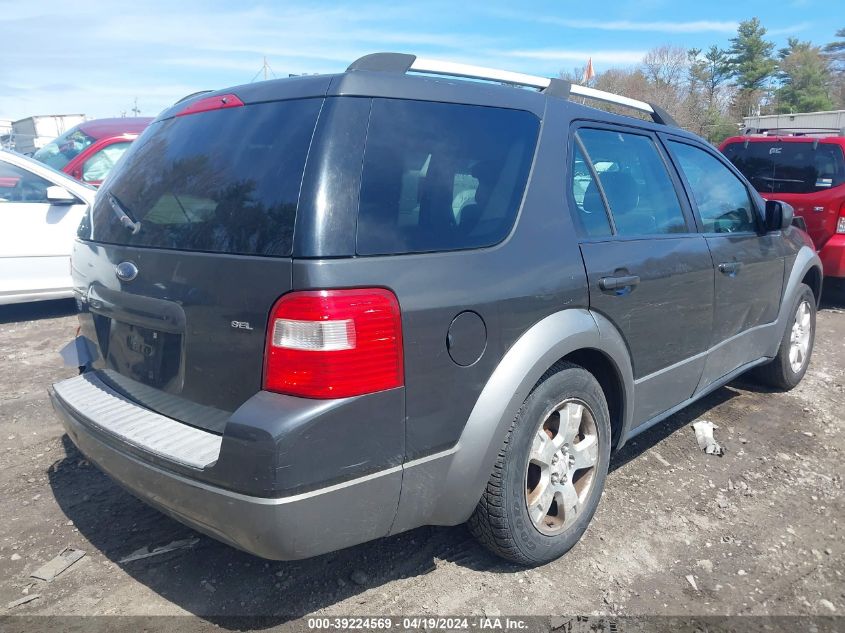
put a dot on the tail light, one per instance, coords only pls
(220, 102)
(334, 343)
(840, 224)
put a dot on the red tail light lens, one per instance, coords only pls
(840, 224)
(220, 102)
(334, 343)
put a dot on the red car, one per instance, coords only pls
(806, 172)
(88, 151)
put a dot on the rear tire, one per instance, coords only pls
(790, 364)
(550, 472)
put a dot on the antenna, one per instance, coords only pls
(265, 68)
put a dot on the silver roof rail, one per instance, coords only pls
(400, 62)
(796, 131)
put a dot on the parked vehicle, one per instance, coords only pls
(40, 211)
(808, 173)
(32, 133)
(90, 150)
(305, 336)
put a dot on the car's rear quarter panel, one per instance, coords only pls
(535, 272)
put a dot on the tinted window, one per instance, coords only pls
(97, 167)
(638, 188)
(590, 213)
(724, 205)
(795, 167)
(20, 185)
(441, 176)
(221, 181)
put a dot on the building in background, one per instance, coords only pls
(31, 134)
(831, 123)
(5, 133)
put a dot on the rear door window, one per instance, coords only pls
(222, 181)
(791, 167)
(635, 183)
(590, 212)
(723, 203)
(440, 176)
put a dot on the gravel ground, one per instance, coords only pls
(758, 531)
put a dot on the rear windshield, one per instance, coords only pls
(223, 181)
(440, 176)
(804, 167)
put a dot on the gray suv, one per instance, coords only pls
(323, 310)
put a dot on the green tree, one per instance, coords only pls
(805, 78)
(707, 94)
(715, 71)
(835, 53)
(751, 63)
(750, 56)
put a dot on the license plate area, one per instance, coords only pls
(149, 356)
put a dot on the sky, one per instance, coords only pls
(98, 56)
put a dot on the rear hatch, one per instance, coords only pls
(187, 248)
(809, 174)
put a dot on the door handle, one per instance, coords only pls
(616, 283)
(730, 268)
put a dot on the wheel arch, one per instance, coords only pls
(444, 489)
(807, 267)
(813, 278)
(605, 371)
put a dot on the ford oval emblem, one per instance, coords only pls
(126, 271)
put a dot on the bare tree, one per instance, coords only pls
(665, 71)
(573, 76)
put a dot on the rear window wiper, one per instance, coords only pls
(122, 215)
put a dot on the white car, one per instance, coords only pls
(40, 210)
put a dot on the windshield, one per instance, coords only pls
(64, 149)
(778, 167)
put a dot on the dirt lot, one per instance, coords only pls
(759, 531)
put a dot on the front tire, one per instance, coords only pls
(790, 364)
(549, 474)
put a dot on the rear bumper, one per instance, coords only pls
(832, 255)
(286, 528)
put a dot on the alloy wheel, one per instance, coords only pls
(799, 339)
(561, 466)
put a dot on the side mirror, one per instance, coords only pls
(778, 215)
(60, 195)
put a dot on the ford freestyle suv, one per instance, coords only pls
(322, 310)
(809, 174)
